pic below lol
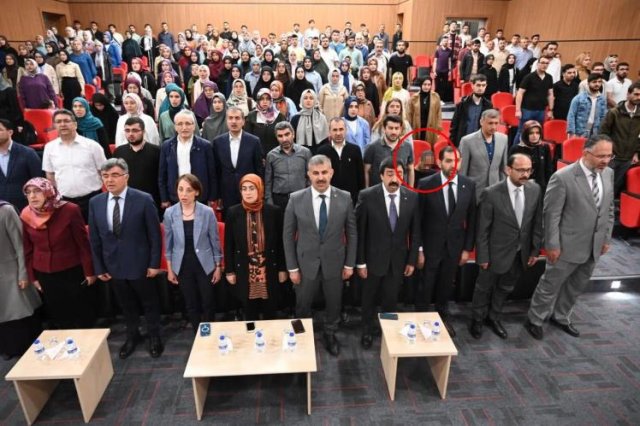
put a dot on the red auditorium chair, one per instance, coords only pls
(145, 63)
(633, 181)
(555, 131)
(42, 121)
(571, 151)
(501, 99)
(418, 148)
(439, 146)
(89, 91)
(508, 115)
(466, 89)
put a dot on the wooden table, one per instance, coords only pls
(205, 361)
(395, 345)
(91, 372)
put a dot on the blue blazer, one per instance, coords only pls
(362, 136)
(24, 164)
(202, 165)
(205, 237)
(139, 245)
(249, 161)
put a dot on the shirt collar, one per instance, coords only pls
(235, 138)
(444, 179)
(585, 169)
(315, 193)
(10, 146)
(387, 193)
(123, 194)
(511, 186)
(190, 141)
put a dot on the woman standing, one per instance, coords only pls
(193, 250)
(425, 111)
(531, 144)
(71, 79)
(102, 109)
(509, 76)
(216, 124)
(254, 255)
(366, 109)
(202, 105)
(35, 89)
(297, 86)
(133, 108)
(370, 89)
(283, 104)
(47, 70)
(239, 97)
(174, 103)
(90, 126)
(332, 95)
(396, 91)
(146, 78)
(262, 121)
(19, 300)
(58, 256)
(358, 130)
(10, 71)
(266, 77)
(310, 123)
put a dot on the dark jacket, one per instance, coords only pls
(24, 164)
(542, 163)
(624, 129)
(492, 80)
(467, 64)
(348, 169)
(459, 120)
(265, 132)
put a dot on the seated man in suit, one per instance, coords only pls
(448, 216)
(186, 153)
(320, 242)
(124, 233)
(484, 153)
(236, 154)
(388, 217)
(508, 238)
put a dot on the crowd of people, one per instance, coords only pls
(289, 150)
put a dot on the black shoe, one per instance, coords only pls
(331, 344)
(450, 329)
(366, 341)
(155, 346)
(497, 328)
(7, 357)
(475, 328)
(567, 328)
(129, 346)
(534, 330)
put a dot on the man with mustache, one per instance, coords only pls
(388, 239)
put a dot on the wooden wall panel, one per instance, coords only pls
(22, 20)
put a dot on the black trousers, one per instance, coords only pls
(131, 294)
(254, 307)
(280, 200)
(197, 290)
(444, 87)
(385, 288)
(83, 203)
(620, 168)
(332, 289)
(439, 276)
(492, 290)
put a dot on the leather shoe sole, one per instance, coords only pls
(534, 330)
(567, 328)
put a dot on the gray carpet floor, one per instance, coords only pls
(592, 380)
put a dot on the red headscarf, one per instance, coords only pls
(38, 218)
(257, 182)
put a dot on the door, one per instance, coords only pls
(54, 20)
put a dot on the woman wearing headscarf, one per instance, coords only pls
(52, 53)
(264, 82)
(371, 90)
(185, 58)
(358, 130)
(132, 85)
(509, 76)
(164, 66)
(262, 121)
(239, 97)
(47, 70)
(345, 74)
(425, 111)
(312, 76)
(532, 145)
(235, 73)
(133, 108)
(320, 66)
(202, 105)
(225, 73)
(11, 68)
(58, 256)
(283, 104)
(366, 109)
(332, 96)
(215, 64)
(174, 103)
(310, 123)
(113, 48)
(89, 126)
(396, 91)
(216, 124)
(71, 79)
(378, 78)
(253, 251)
(298, 85)
(282, 75)
(102, 109)
(147, 80)
(198, 86)
(610, 64)
(130, 49)
(269, 59)
(35, 89)
(9, 106)
(393, 107)
(192, 249)
(18, 298)
(245, 62)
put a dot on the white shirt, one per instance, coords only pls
(338, 148)
(588, 174)
(317, 201)
(617, 89)
(329, 56)
(445, 189)
(387, 200)
(512, 194)
(234, 147)
(76, 165)
(184, 156)
(111, 203)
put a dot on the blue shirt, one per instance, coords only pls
(491, 146)
(111, 203)
(87, 67)
(4, 159)
(473, 117)
(522, 57)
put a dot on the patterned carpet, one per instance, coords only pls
(593, 380)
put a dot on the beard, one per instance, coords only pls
(136, 142)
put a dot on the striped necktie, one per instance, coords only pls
(594, 189)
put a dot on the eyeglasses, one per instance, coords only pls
(602, 157)
(106, 176)
(523, 171)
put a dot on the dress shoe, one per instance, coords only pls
(475, 328)
(534, 330)
(155, 346)
(450, 329)
(129, 346)
(567, 328)
(366, 341)
(497, 328)
(331, 344)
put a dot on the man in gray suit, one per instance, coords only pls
(484, 153)
(320, 243)
(578, 219)
(508, 238)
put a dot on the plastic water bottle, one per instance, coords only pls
(72, 348)
(223, 345)
(260, 343)
(435, 332)
(38, 349)
(291, 341)
(411, 333)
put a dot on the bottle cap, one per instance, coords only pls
(291, 334)
(437, 323)
(222, 337)
(69, 341)
(36, 342)
(259, 334)
(412, 325)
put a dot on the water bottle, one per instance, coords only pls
(72, 348)
(411, 333)
(435, 332)
(38, 349)
(291, 341)
(260, 343)
(223, 345)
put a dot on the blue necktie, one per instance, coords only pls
(393, 212)
(322, 223)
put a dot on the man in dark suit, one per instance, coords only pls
(346, 159)
(466, 117)
(388, 217)
(508, 238)
(448, 231)
(186, 153)
(320, 242)
(236, 154)
(18, 164)
(124, 233)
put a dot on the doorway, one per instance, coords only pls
(473, 23)
(54, 20)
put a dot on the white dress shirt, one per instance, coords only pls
(317, 201)
(588, 174)
(111, 203)
(234, 147)
(387, 200)
(338, 148)
(445, 189)
(184, 156)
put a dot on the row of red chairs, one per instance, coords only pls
(630, 200)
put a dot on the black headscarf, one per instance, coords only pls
(261, 84)
(109, 116)
(297, 86)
